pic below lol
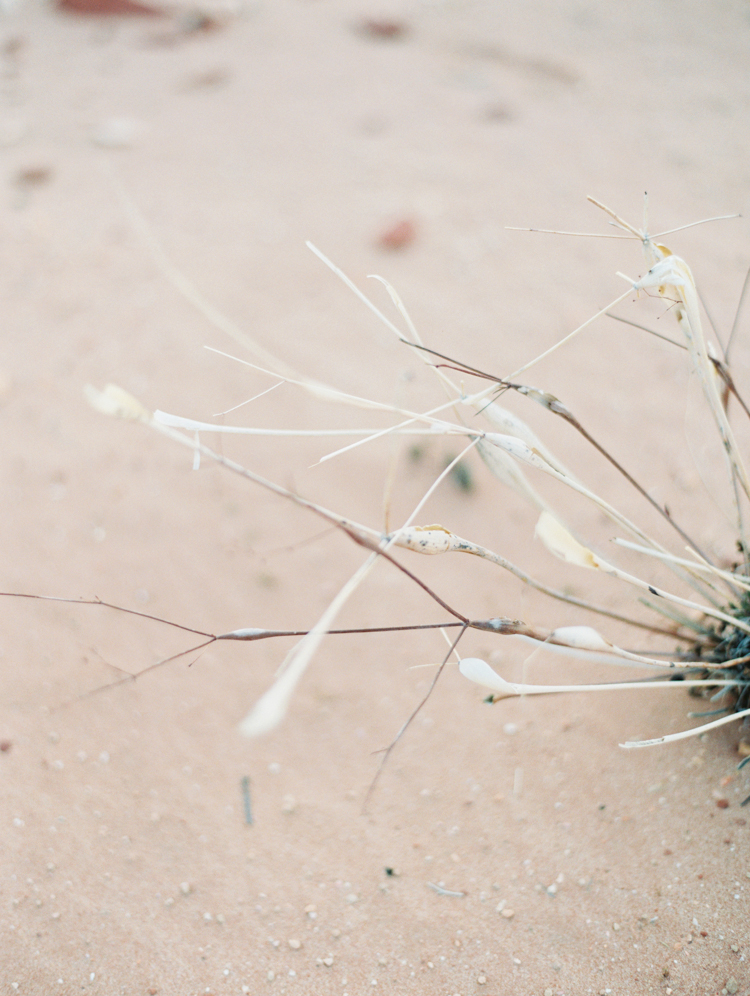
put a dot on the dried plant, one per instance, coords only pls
(704, 612)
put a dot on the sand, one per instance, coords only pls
(512, 850)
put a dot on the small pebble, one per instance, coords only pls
(383, 28)
(289, 804)
(481, 980)
(294, 944)
(732, 986)
(399, 236)
(508, 914)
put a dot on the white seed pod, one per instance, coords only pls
(115, 401)
(425, 539)
(559, 541)
(580, 637)
(481, 673)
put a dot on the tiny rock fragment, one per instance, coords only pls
(508, 914)
(109, 8)
(497, 112)
(481, 980)
(186, 888)
(33, 176)
(288, 804)
(382, 28)
(743, 748)
(722, 803)
(398, 236)
(352, 898)
(294, 944)
(732, 986)
(5, 746)
(328, 961)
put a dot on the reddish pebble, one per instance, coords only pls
(722, 803)
(383, 29)
(5, 746)
(399, 236)
(111, 8)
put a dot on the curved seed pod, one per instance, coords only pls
(115, 401)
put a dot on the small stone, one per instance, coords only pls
(328, 961)
(722, 803)
(352, 898)
(508, 914)
(288, 804)
(185, 888)
(398, 236)
(271, 976)
(732, 986)
(547, 992)
(481, 980)
(294, 944)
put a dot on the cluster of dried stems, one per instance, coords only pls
(711, 629)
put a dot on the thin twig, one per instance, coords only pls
(386, 752)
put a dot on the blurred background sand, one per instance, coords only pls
(401, 138)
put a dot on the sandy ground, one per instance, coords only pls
(128, 864)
